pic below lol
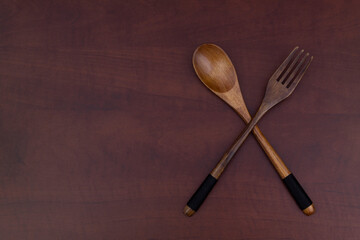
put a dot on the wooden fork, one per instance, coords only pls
(281, 84)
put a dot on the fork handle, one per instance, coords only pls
(294, 187)
(200, 195)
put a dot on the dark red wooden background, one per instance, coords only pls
(105, 130)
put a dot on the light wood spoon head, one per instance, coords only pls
(215, 69)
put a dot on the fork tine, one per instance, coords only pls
(291, 67)
(292, 75)
(300, 75)
(281, 68)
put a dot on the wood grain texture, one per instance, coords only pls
(228, 89)
(105, 128)
(216, 71)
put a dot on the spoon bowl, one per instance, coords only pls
(215, 69)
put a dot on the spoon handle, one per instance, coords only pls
(293, 186)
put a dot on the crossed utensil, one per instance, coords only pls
(215, 69)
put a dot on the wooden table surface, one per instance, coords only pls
(105, 130)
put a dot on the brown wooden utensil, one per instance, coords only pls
(216, 71)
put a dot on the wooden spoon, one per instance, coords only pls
(216, 71)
